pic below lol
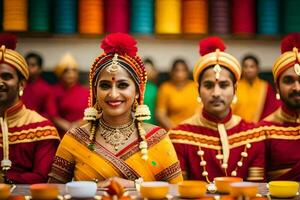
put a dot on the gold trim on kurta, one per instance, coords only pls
(32, 135)
(279, 116)
(236, 140)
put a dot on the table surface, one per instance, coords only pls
(173, 192)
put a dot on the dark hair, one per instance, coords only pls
(231, 75)
(251, 57)
(179, 61)
(149, 61)
(36, 56)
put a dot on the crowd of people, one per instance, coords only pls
(124, 127)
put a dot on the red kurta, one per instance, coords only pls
(37, 96)
(70, 103)
(282, 147)
(201, 132)
(33, 141)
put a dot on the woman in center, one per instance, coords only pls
(116, 144)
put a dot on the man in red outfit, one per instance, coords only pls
(37, 92)
(214, 142)
(282, 126)
(28, 140)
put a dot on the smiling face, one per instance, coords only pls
(9, 85)
(216, 94)
(116, 93)
(289, 88)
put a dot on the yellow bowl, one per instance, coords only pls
(247, 189)
(192, 189)
(4, 191)
(154, 190)
(44, 191)
(283, 189)
(223, 183)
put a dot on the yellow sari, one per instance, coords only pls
(74, 160)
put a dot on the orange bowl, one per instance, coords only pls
(223, 183)
(154, 190)
(4, 191)
(192, 189)
(247, 189)
(44, 191)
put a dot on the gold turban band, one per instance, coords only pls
(67, 61)
(14, 59)
(285, 61)
(217, 58)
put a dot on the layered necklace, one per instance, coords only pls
(118, 135)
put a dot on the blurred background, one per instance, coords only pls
(164, 29)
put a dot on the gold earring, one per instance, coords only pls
(21, 92)
(277, 96)
(135, 105)
(235, 99)
(97, 105)
(199, 99)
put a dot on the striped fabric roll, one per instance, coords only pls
(142, 16)
(90, 16)
(195, 16)
(243, 16)
(268, 17)
(65, 16)
(291, 16)
(168, 16)
(15, 15)
(220, 17)
(116, 16)
(39, 15)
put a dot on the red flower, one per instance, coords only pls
(119, 43)
(210, 44)
(290, 41)
(8, 40)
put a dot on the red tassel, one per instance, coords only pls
(210, 44)
(290, 41)
(119, 43)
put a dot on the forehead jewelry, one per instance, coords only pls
(114, 67)
(217, 68)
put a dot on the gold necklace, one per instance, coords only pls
(118, 135)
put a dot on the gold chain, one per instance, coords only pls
(118, 135)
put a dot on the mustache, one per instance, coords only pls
(294, 94)
(217, 100)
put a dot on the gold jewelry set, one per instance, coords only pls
(116, 136)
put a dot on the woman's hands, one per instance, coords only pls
(123, 182)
